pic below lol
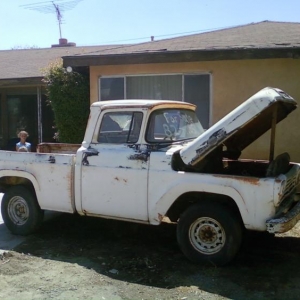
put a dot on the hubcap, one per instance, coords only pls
(18, 210)
(207, 235)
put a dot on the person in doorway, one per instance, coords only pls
(23, 135)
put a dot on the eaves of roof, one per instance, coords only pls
(180, 56)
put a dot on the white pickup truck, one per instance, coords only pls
(148, 161)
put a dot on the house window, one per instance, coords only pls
(164, 87)
(112, 88)
(188, 88)
(197, 91)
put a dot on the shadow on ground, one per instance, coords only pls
(266, 268)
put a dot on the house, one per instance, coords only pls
(216, 70)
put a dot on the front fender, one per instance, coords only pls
(174, 192)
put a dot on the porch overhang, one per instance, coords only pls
(19, 82)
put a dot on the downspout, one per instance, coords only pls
(273, 132)
(39, 106)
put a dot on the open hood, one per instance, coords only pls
(242, 126)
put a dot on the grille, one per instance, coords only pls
(290, 185)
(292, 180)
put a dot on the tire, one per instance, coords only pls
(209, 233)
(20, 211)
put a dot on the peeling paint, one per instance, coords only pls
(160, 217)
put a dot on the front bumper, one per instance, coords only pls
(286, 222)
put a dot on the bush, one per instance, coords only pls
(69, 96)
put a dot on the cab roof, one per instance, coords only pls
(141, 103)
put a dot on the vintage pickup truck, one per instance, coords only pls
(148, 161)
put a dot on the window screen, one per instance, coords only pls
(188, 88)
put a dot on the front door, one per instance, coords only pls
(114, 182)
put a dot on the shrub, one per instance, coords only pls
(69, 96)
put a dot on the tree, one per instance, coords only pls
(69, 96)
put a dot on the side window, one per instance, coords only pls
(120, 127)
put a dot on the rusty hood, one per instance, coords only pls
(242, 126)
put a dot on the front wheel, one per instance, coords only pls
(20, 211)
(209, 233)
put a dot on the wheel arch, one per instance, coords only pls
(173, 202)
(10, 178)
(190, 198)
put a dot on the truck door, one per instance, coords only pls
(114, 182)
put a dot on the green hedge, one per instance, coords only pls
(69, 96)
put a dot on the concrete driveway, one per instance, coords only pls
(7, 240)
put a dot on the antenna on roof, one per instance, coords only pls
(52, 7)
(59, 17)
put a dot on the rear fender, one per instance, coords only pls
(22, 174)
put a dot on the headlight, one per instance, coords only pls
(282, 188)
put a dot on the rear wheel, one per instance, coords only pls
(20, 211)
(209, 233)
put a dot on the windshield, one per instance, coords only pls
(173, 125)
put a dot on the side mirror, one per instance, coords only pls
(88, 152)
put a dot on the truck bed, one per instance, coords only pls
(58, 148)
(51, 177)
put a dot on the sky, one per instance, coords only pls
(25, 23)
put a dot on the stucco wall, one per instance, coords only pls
(232, 83)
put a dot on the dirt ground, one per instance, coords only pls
(73, 257)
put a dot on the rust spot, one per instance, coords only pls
(125, 180)
(116, 178)
(250, 180)
(70, 178)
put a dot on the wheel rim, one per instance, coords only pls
(207, 235)
(18, 210)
